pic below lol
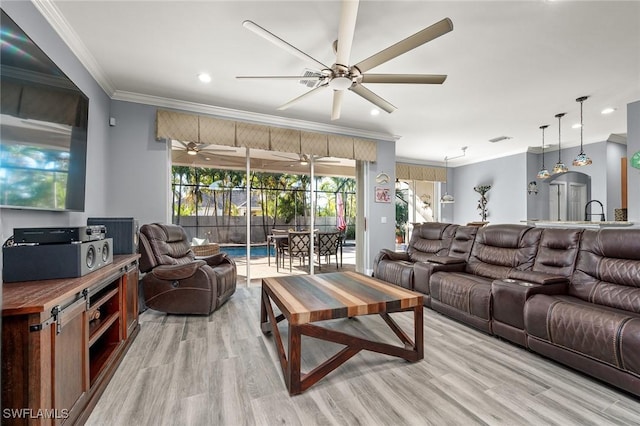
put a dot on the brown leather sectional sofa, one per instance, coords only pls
(572, 295)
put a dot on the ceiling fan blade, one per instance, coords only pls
(252, 26)
(337, 104)
(404, 78)
(373, 98)
(346, 30)
(281, 77)
(409, 43)
(299, 98)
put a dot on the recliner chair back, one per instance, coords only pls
(500, 248)
(429, 239)
(608, 269)
(163, 244)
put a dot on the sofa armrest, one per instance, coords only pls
(177, 272)
(542, 278)
(447, 260)
(392, 255)
(386, 254)
(218, 259)
(423, 271)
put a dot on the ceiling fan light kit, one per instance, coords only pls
(341, 77)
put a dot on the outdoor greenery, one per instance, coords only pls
(402, 213)
(276, 197)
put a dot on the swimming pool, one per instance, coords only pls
(241, 251)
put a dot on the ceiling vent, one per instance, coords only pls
(313, 82)
(500, 139)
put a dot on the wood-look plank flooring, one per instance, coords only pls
(221, 370)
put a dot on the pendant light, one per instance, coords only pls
(446, 198)
(543, 173)
(581, 159)
(560, 167)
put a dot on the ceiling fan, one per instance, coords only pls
(302, 160)
(196, 149)
(340, 76)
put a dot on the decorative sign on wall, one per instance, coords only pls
(635, 160)
(383, 194)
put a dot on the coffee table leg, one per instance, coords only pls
(418, 331)
(293, 366)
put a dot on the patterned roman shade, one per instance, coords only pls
(252, 135)
(421, 173)
(211, 130)
(340, 146)
(314, 143)
(216, 131)
(284, 140)
(176, 125)
(365, 150)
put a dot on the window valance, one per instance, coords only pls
(422, 173)
(205, 129)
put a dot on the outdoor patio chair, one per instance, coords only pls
(328, 245)
(299, 246)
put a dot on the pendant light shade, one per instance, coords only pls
(446, 197)
(543, 173)
(560, 167)
(581, 159)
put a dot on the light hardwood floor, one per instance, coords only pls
(221, 370)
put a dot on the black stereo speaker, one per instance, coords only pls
(49, 261)
(123, 230)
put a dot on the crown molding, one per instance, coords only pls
(254, 117)
(60, 25)
(53, 16)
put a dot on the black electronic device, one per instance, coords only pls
(61, 235)
(123, 230)
(49, 261)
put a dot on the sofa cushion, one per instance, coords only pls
(608, 269)
(606, 334)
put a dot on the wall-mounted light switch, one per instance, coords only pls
(383, 219)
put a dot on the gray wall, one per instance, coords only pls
(378, 235)
(507, 199)
(139, 167)
(36, 27)
(633, 175)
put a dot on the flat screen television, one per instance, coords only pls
(43, 128)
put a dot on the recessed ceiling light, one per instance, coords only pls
(375, 111)
(204, 77)
(576, 126)
(608, 110)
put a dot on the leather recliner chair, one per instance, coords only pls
(175, 281)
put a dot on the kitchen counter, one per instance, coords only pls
(577, 224)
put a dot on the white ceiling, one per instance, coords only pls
(511, 65)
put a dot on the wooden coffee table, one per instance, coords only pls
(305, 299)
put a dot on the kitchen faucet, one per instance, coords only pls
(586, 215)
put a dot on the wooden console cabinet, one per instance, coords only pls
(63, 339)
